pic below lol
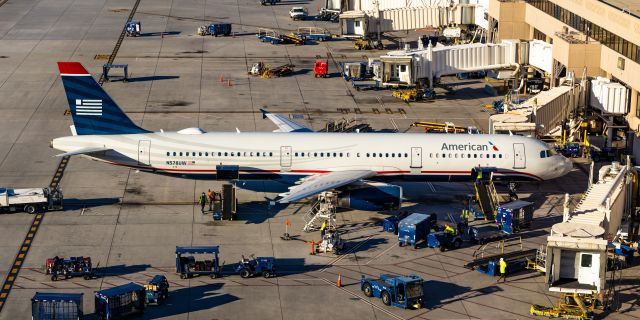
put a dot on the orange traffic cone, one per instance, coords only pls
(228, 83)
(221, 78)
(339, 282)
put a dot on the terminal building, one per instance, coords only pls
(596, 38)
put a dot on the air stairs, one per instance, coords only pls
(487, 196)
(324, 209)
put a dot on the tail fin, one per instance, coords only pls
(93, 111)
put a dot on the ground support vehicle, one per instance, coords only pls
(298, 13)
(255, 266)
(219, 29)
(293, 38)
(157, 291)
(398, 291)
(490, 265)
(415, 228)
(188, 266)
(514, 216)
(266, 2)
(368, 44)
(355, 71)
(390, 224)
(314, 33)
(133, 28)
(413, 94)
(328, 15)
(120, 302)
(59, 306)
(276, 72)
(320, 68)
(484, 232)
(30, 200)
(444, 240)
(571, 306)
(268, 35)
(331, 242)
(365, 85)
(60, 268)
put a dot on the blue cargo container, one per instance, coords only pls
(390, 224)
(414, 228)
(119, 302)
(58, 306)
(220, 29)
(514, 216)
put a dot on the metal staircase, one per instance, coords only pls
(324, 209)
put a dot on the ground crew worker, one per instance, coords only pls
(503, 270)
(449, 229)
(212, 197)
(323, 229)
(202, 201)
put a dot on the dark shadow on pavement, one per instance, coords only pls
(185, 300)
(152, 78)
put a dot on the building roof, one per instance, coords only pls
(631, 6)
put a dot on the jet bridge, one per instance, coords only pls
(409, 67)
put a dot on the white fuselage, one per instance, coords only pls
(416, 156)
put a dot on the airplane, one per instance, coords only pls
(358, 165)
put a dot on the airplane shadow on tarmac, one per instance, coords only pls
(75, 204)
(441, 293)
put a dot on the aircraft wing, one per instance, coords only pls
(284, 124)
(315, 184)
(82, 151)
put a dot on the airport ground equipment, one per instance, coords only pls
(328, 15)
(264, 266)
(482, 232)
(188, 266)
(398, 291)
(346, 125)
(365, 85)
(157, 291)
(515, 216)
(324, 209)
(276, 72)
(570, 306)
(60, 268)
(270, 2)
(314, 33)
(59, 306)
(257, 68)
(30, 200)
(133, 28)
(298, 13)
(413, 94)
(415, 228)
(355, 71)
(269, 35)
(368, 44)
(106, 68)
(120, 302)
(446, 127)
(390, 224)
(539, 263)
(203, 31)
(220, 29)
(321, 68)
(229, 202)
(292, 38)
(331, 242)
(444, 240)
(486, 194)
(486, 259)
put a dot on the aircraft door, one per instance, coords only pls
(416, 157)
(519, 157)
(285, 158)
(144, 152)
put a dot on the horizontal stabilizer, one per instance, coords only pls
(82, 151)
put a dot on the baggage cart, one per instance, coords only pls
(58, 306)
(119, 302)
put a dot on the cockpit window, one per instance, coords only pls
(547, 153)
(543, 154)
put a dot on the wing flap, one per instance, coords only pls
(309, 186)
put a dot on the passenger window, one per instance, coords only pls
(347, 154)
(543, 154)
(494, 155)
(373, 154)
(444, 155)
(335, 154)
(257, 154)
(315, 154)
(270, 154)
(481, 155)
(340, 154)
(456, 155)
(406, 155)
(367, 155)
(168, 154)
(380, 155)
(302, 154)
(358, 154)
(200, 154)
(437, 155)
(174, 154)
(475, 155)
(206, 154)
(386, 155)
(500, 156)
(393, 155)
(181, 154)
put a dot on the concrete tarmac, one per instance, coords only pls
(130, 222)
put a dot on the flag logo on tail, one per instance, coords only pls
(87, 107)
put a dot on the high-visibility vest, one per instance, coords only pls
(503, 266)
(465, 214)
(449, 229)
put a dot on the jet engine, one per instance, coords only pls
(371, 197)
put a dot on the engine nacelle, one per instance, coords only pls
(371, 197)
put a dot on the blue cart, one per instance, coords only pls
(119, 302)
(415, 228)
(220, 29)
(398, 291)
(255, 266)
(514, 216)
(59, 306)
(157, 291)
(390, 224)
(187, 266)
